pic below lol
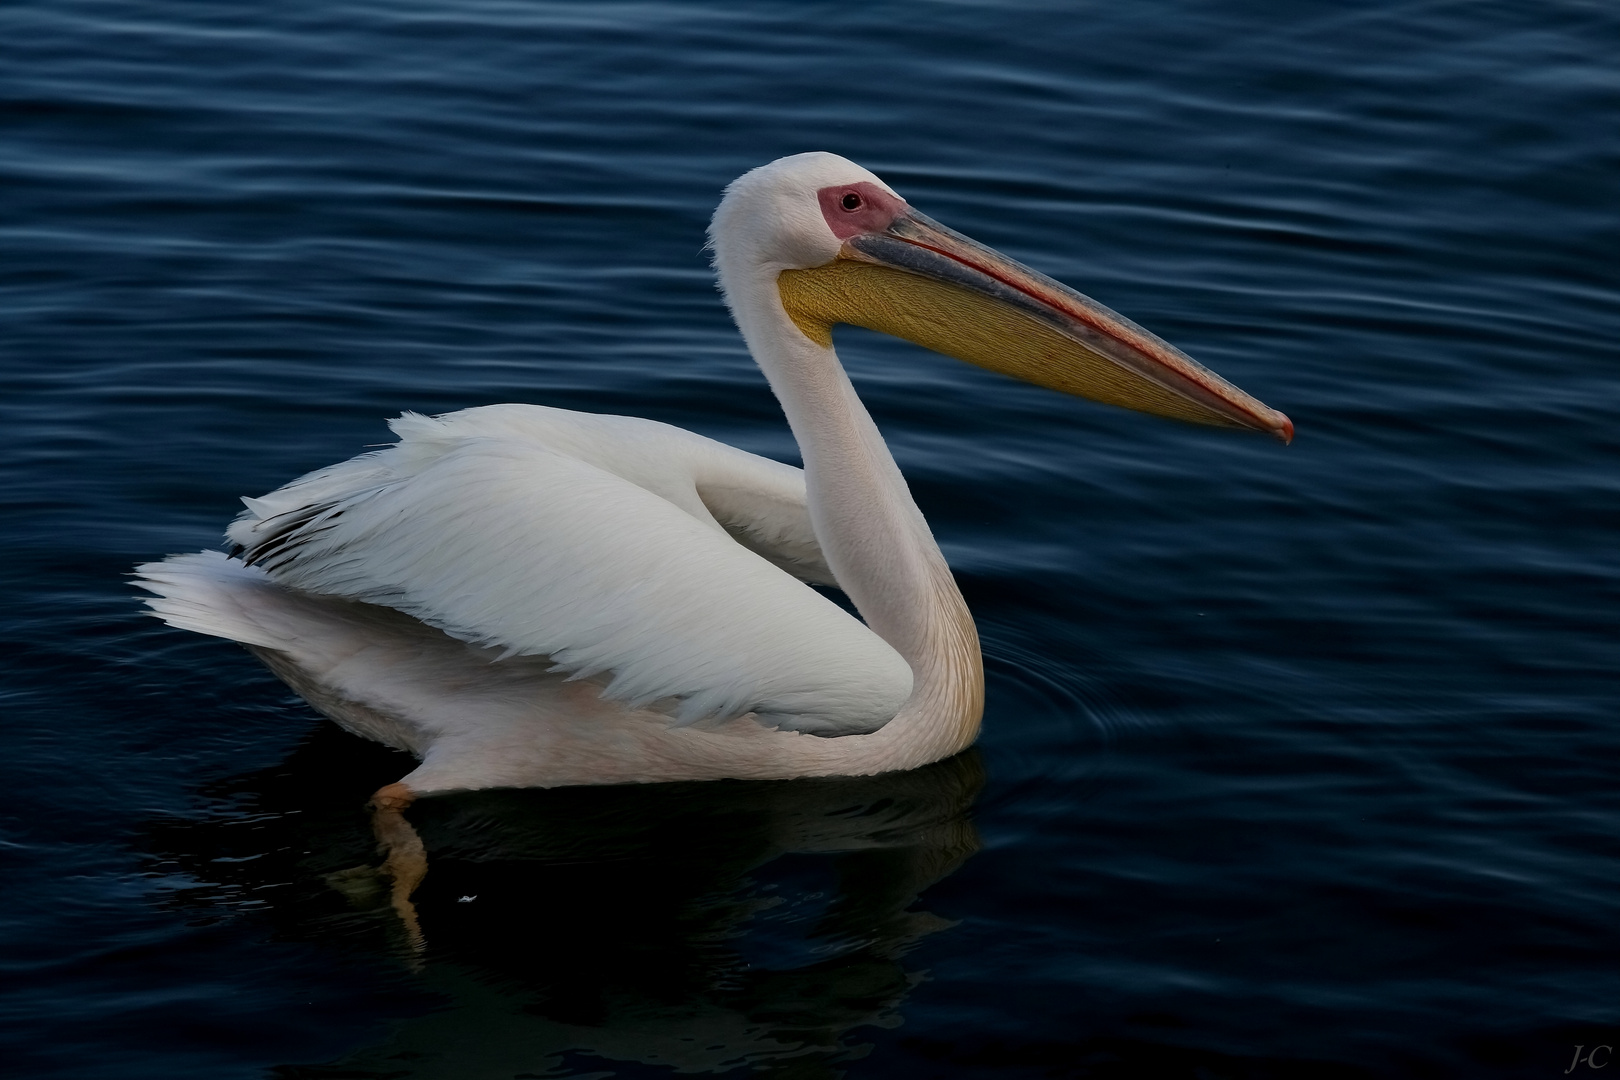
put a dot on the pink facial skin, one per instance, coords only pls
(858, 209)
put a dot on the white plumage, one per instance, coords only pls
(601, 542)
(526, 596)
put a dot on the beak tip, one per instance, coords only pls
(1283, 428)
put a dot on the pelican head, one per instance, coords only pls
(815, 240)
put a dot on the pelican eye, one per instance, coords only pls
(851, 201)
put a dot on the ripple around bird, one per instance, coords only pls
(1294, 761)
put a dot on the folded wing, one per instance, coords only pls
(609, 544)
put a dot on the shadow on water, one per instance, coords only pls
(699, 927)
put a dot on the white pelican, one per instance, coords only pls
(612, 600)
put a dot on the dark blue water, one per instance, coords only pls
(1296, 761)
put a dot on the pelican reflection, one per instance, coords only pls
(698, 926)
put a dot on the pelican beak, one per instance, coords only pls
(918, 280)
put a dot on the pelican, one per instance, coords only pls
(527, 596)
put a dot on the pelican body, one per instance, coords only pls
(526, 596)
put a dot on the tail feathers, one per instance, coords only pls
(210, 594)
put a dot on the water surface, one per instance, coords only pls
(1296, 761)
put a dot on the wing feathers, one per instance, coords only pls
(601, 542)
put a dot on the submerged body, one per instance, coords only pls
(525, 596)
